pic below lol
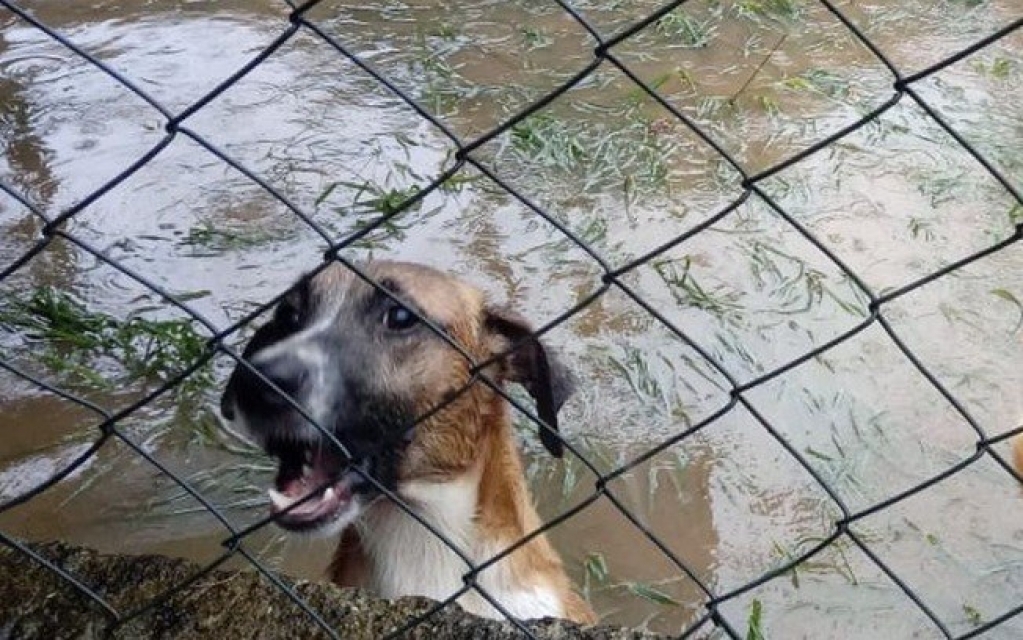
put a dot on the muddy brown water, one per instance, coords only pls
(894, 200)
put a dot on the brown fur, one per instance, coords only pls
(506, 509)
(472, 437)
(1017, 451)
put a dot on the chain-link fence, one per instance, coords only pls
(525, 127)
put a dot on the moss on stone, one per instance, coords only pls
(150, 602)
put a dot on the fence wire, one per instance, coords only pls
(175, 124)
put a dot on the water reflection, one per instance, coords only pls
(616, 168)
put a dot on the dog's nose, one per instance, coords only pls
(288, 373)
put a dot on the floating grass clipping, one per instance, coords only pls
(549, 141)
(371, 198)
(651, 594)
(596, 567)
(1006, 295)
(369, 203)
(973, 615)
(721, 301)
(247, 482)
(784, 10)
(1016, 215)
(685, 29)
(597, 578)
(229, 469)
(821, 81)
(535, 38)
(633, 152)
(77, 342)
(999, 67)
(754, 628)
(207, 239)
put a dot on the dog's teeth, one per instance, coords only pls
(280, 500)
(307, 470)
(328, 495)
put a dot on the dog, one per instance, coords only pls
(1017, 451)
(365, 366)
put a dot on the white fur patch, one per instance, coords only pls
(408, 559)
(527, 604)
(343, 519)
(302, 345)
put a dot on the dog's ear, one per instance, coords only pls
(532, 366)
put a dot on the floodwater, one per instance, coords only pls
(894, 200)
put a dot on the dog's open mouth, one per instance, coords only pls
(314, 485)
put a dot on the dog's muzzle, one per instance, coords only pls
(317, 483)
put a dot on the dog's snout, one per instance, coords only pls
(287, 373)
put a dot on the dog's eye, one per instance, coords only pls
(288, 317)
(398, 318)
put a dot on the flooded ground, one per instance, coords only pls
(895, 200)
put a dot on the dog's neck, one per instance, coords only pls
(482, 512)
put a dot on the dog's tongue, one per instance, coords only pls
(327, 501)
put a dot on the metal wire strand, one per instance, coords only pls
(466, 154)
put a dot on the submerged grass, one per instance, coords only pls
(79, 344)
(632, 154)
(623, 150)
(685, 29)
(720, 301)
(229, 469)
(597, 578)
(549, 141)
(206, 238)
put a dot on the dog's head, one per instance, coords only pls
(364, 367)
